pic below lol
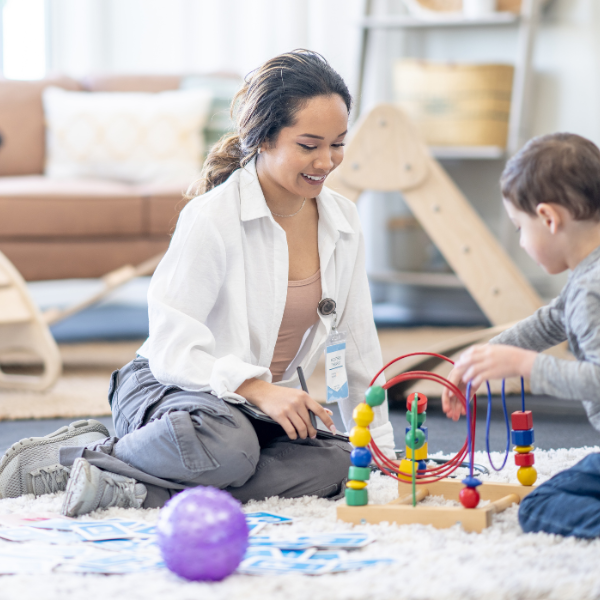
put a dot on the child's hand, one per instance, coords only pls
(451, 405)
(493, 361)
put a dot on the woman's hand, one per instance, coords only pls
(287, 406)
(482, 363)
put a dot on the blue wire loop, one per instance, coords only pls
(488, 422)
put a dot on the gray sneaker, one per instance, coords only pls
(91, 488)
(31, 466)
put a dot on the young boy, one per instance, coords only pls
(551, 191)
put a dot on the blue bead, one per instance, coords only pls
(523, 438)
(472, 482)
(423, 429)
(360, 457)
(421, 465)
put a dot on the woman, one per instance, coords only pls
(233, 313)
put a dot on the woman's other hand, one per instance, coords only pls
(289, 407)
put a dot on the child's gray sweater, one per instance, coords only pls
(574, 316)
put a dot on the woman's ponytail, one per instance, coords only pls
(224, 158)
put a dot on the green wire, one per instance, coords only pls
(413, 427)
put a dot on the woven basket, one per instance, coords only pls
(456, 104)
(456, 5)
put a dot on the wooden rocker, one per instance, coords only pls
(386, 153)
(24, 330)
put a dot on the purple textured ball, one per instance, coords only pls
(202, 534)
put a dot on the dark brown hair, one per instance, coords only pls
(559, 168)
(268, 101)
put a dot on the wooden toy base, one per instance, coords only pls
(401, 511)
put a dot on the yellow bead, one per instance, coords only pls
(523, 449)
(356, 485)
(360, 436)
(420, 454)
(363, 415)
(406, 470)
(527, 475)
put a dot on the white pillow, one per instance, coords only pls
(135, 137)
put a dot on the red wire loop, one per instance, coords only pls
(431, 475)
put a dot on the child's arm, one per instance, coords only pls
(542, 330)
(512, 353)
(567, 379)
(482, 363)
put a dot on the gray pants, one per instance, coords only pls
(170, 439)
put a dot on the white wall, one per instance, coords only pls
(152, 36)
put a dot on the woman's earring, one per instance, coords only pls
(259, 150)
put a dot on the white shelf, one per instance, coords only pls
(450, 20)
(468, 152)
(418, 278)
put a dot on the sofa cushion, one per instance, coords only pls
(67, 259)
(131, 83)
(163, 205)
(22, 144)
(129, 136)
(36, 206)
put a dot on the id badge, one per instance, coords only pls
(335, 367)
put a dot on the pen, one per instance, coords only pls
(313, 419)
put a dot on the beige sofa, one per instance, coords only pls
(54, 229)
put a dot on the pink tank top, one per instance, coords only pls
(300, 313)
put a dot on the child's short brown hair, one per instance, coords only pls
(559, 168)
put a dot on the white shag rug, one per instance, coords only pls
(500, 563)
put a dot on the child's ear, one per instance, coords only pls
(550, 216)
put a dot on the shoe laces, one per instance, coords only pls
(53, 479)
(123, 493)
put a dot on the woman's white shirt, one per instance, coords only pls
(217, 298)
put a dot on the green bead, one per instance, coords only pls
(357, 497)
(359, 473)
(375, 395)
(420, 418)
(419, 439)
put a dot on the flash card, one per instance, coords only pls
(259, 565)
(268, 518)
(102, 530)
(348, 540)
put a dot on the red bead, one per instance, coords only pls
(521, 420)
(421, 402)
(524, 460)
(469, 497)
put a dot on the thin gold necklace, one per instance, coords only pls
(287, 216)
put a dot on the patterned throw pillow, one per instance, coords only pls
(134, 137)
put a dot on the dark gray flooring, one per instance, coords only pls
(557, 424)
(13, 431)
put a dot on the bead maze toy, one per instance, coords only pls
(413, 470)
